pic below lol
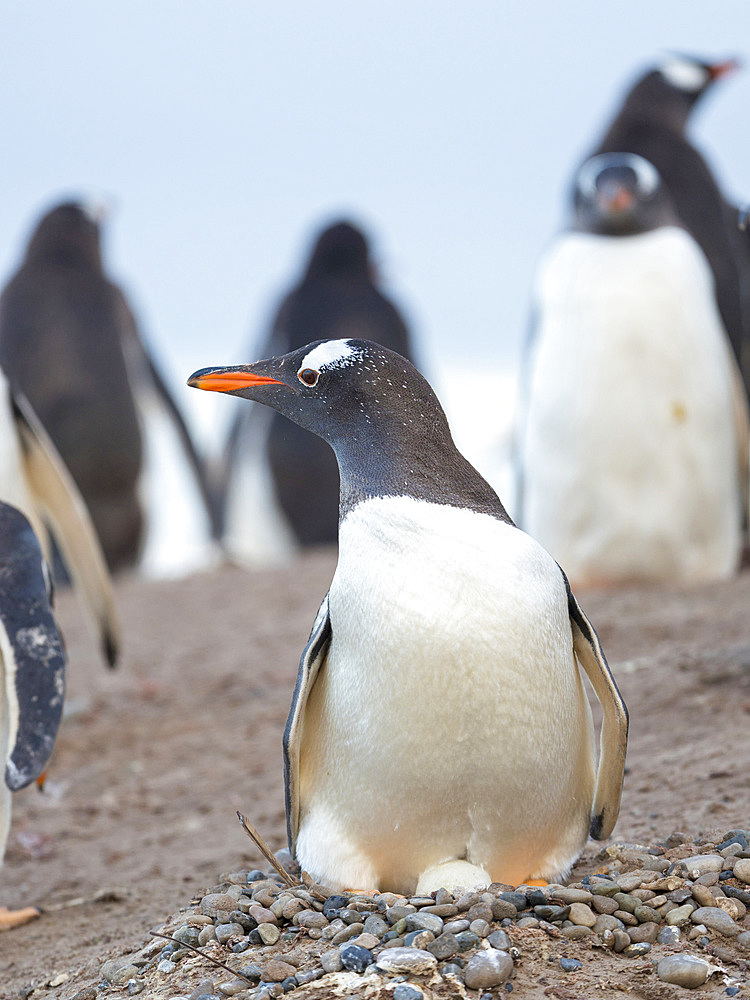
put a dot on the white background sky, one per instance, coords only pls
(226, 133)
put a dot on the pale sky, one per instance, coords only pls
(226, 133)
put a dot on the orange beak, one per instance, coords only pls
(723, 68)
(227, 380)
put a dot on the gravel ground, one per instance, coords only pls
(138, 816)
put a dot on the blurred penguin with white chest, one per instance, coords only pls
(439, 733)
(633, 433)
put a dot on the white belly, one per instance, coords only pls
(629, 448)
(449, 720)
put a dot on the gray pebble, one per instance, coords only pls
(456, 926)
(467, 940)
(528, 922)
(516, 899)
(668, 935)
(636, 950)
(479, 927)
(166, 967)
(331, 961)
(621, 940)
(679, 916)
(406, 960)
(743, 940)
(452, 971)
(716, 920)
(445, 946)
(576, 932)
(570, 964)
(225, 931)
(573, 895)
(742, 870)
(216, 903)
(206, 934)
(376, 925)
(418, 939)
(425, 922)
(604, 904)
(688, 971)
(582, 915)
(701, 864)
(646, 914)
(646, 931)
(499, 940)
(607, 922)
(356, 958)
(487, 969)
(405, 991)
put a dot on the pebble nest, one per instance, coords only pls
(678, 911)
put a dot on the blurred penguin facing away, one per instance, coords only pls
(652, 122)
(69, 342)
(443, 623)
(634, 430)
(32, 663)
(337, 297)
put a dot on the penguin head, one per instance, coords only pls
(341, 250)
(669, 92)
(341, 390)
(380, 416)
(68, 234)
(620, 194)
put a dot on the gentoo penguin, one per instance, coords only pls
(89, 393)
(34, 479)
(32, 663)
(439, 732)
(652, 122)
(633, 439)
(337, 297)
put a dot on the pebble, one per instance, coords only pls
(166, 967)
(743, 940)
(217, 902)
(688, 971)
(637, 950)
(356, 958)
(668, 935)
(572, 895)
(679, 916)
(413, 960)
(701, 864)
(405, 991)
(742, 870)
(716, 920)
(575, 932)
(445, 946)
(582, 914)
(487, 968)
(479, 927)
(331, 961)
(499, 940)
(426, 922)
(570, 964)
(225, 931)
(276, 971)
(269, 933)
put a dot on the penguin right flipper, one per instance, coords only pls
(33, 657)
(613, 741)
(63, 507)
(311, 662)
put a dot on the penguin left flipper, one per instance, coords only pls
(62, 506)
(312, 660)
(613, 739)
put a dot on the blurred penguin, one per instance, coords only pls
(634, 431)
(337, 298)
(69, 342)
(652, 122)
(34, 479)
(32, 664)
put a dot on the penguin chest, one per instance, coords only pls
(450, 691)
(629, 429)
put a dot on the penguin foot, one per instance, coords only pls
(536, 882)
(451, 875)
(14, 918)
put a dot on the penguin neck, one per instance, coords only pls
(423, 466)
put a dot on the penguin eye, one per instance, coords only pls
(308, 376)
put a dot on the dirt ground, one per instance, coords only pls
(154, 758)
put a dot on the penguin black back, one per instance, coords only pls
(336, 298)
(62, 326)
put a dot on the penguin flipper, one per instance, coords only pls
(312, 660)
(61, 504)
(33, 657)
(613, 741)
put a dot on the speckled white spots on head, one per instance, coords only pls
(330, 354)
(684, 74)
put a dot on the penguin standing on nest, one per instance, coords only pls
(337, 297)
(439, 733)
(652, 122)
(634, 432)
(69, 342)
(32, 671)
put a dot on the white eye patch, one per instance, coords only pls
(684, 74)
(330, 354)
